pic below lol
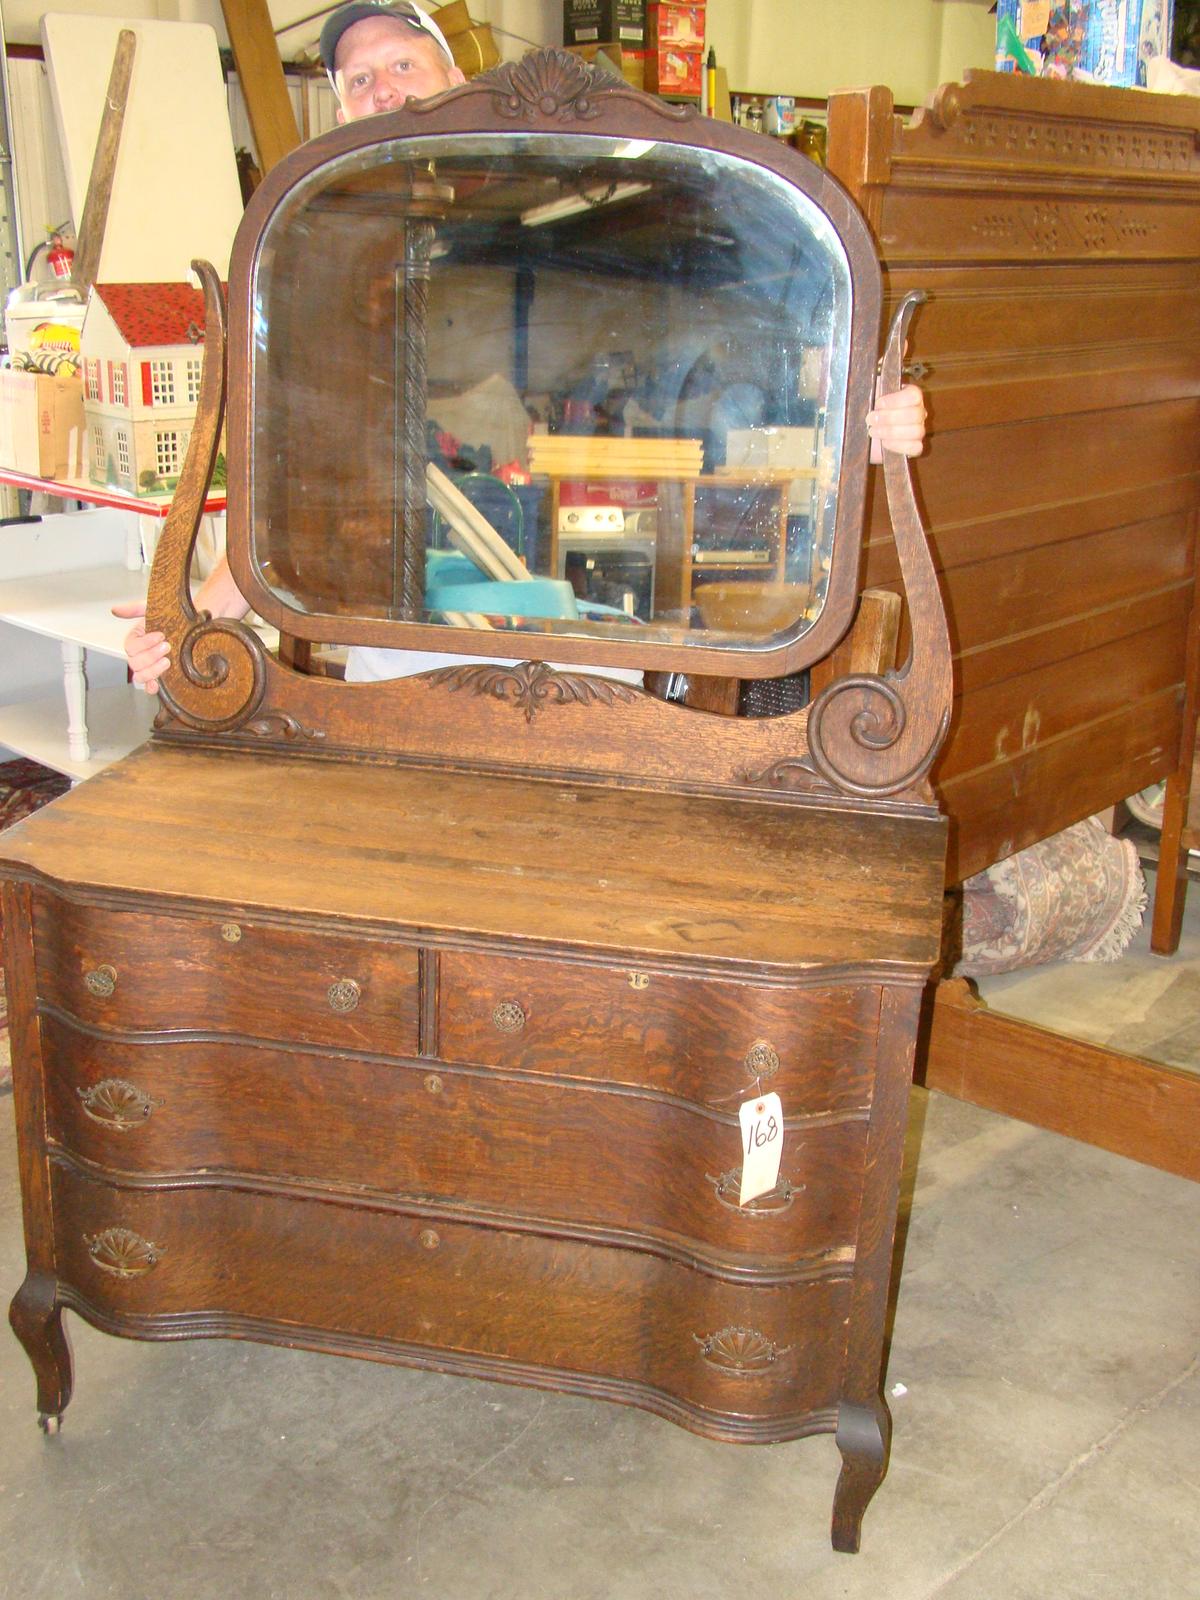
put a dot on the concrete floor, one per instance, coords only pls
(1044, 1378)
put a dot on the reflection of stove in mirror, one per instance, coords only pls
(607, 556)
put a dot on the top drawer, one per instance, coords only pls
(707, 1040)
(137, 971)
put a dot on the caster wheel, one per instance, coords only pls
(48, 1424)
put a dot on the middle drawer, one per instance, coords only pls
(567, 1153)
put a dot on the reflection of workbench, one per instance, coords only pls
(679, 558)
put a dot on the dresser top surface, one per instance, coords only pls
(591, 869)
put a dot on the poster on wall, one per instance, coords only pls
(1097, 41)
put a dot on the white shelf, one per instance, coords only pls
(118, 721)
(75, 607)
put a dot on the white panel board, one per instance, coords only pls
(175, 194)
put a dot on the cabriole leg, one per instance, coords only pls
(36, 1319)
(863, 1436)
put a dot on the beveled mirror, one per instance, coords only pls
(544, 369)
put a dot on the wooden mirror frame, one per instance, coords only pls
(866, 736)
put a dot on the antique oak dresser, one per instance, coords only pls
(492, 1009)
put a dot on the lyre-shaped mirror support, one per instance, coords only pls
(207, 654)
(875, 735)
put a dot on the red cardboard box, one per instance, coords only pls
(673, 71)
(681, 27)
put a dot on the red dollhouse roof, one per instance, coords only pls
(155, 313)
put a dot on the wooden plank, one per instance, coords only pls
(94, 221)
(1122, 1103)
(260, 71)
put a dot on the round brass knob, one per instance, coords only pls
(762, 1061)
(509, 1017)
(428, 1239)
(102, 981)
(344, 995)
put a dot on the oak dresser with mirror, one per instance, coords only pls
(424, 1010)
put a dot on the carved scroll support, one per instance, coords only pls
(871, 734)
(206, 654)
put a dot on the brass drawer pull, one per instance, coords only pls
(123, 1253)
(102, 981)
(740, 1352)
(729, 1185)
(116, 1103)
(344, 995)
(762, 1060)
(509, 1017)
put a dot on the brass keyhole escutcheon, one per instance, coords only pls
(231, 932)
(428, 1239)
(639, 980)
(344, 995)
(102, 981)
(433, 1083)
(509, 1017)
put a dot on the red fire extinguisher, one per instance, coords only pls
(60, 256)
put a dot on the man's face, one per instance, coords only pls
(381, 61)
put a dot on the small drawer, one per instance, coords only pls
(556, 1152)
(707, 1040)
(132, 970)
(725, 1358)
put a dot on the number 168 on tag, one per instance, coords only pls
(761, 1122)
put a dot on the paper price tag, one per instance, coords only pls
(762, 1145)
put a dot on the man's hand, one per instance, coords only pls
(148, 654)
(898, 423)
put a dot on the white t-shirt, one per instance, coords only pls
(374, 664)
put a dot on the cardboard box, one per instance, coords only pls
(41, 424)
(43, 335)
(1107, 41)
(672, 71)
(630, 64)
(680, 26)
(595, 21)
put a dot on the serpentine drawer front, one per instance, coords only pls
(133, 970)
(743, 1362)
(563, 1152)
(702, 1039)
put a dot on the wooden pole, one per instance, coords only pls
(256, 56)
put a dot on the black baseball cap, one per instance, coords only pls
(402, 10)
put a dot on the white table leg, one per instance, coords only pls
(74, 658)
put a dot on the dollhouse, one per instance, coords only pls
(141, 355)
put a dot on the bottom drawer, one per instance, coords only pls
(727, 1359)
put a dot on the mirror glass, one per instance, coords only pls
(569, 384)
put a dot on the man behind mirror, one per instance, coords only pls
(378, 54)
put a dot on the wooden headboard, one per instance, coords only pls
(1056, 228)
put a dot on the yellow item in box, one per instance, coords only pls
(452, 18)
(41, 424)
(474, 50)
